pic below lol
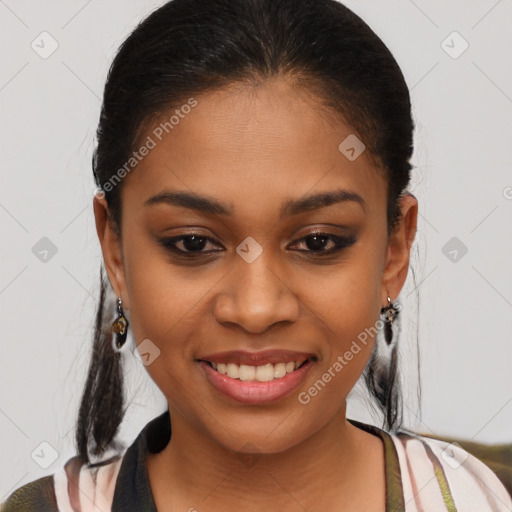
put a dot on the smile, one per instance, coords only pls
(256, 385)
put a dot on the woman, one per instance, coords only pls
(253, 214)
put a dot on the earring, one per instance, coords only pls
(390, 312)
(119, 327)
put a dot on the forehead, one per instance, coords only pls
(253, 146)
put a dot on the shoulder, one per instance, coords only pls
(37, 495)
(75, 487)
(436, 473)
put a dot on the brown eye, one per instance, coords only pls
(324, 243)
(192, 243)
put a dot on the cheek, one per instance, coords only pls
(162, 311)
(345, 296)
(352, 328)
(161, 300)
(348, 304)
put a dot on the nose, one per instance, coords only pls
(255, 297)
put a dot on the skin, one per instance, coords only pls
(254, 147)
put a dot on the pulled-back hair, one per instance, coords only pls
(189, 47)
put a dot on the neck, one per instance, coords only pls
(333, 464)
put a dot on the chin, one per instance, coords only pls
(264, 437)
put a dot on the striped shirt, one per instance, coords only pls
(422, 475)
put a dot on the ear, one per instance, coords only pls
(111, 248)
(399, 249)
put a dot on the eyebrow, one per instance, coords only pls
(208, 205)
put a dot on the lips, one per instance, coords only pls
(256, 377)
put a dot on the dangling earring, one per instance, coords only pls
(390, 312)
(119, 328)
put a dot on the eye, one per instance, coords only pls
(324, 243)
(317, 243)
(192, 244)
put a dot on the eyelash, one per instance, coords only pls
(339, 241)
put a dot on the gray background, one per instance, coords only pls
(462, 178)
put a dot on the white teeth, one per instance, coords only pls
(246, 372)
(263, 373)
(233, 371)
(279, 370)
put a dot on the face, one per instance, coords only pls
(269, 248)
